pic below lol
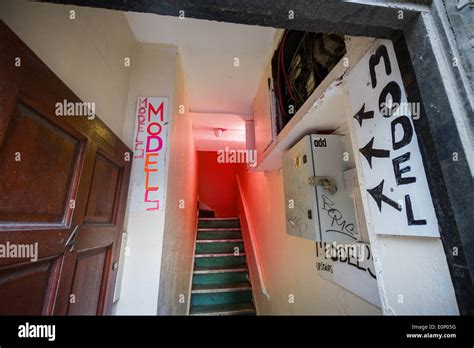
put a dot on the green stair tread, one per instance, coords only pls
(224, 287)
(219, 247)
(219, 222)
(220, 278)
(220, 297)
(225, 309)
(218, 254)
(219, 229)
(219, 261)
(219, 240)
(209, 235)
(221, 269)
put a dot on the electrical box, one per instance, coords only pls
(318, 205)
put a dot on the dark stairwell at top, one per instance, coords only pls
(221, 283)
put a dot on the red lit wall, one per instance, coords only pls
(217, 184)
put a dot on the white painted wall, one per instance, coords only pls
(86, 53)
(177, 259)
(153, 74)
(416, 269)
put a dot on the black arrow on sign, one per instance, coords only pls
(368, 151)
(379, 197)
(363, 115)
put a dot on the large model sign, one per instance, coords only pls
(149, 146)
(394, 177)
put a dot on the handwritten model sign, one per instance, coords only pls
(149, 147)
(394, 177)
(353, 271)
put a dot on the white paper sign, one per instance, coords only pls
(394, 177)
(353, 271)
(149, 158)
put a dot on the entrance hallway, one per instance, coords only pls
(223, 170)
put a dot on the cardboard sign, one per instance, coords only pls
(394, 177)
(353, 271)
(149, 158)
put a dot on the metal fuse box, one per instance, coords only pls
(318, 205)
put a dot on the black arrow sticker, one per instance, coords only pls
(368, 151)
(379, 197)
(363, 115)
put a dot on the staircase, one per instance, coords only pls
(221, 283)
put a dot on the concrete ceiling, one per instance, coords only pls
(220, 94)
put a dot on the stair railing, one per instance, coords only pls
(253, 242)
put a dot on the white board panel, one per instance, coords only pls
(352, 271)
(394, 177)
(149, 158)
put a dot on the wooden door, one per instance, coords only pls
(63, 191)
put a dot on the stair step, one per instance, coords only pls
(201, 255)
(218, 229)
(206, 213)
(220, 278)
(221, 298)
(229, 240)
(219, 233)
(219, 288)
(220, 269)
(220, 294)
(219, 222)
(223, 261)
(227, 246)
(229, 309)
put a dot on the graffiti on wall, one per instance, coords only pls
(149, 159)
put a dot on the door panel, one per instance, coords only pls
(28, 287)
(35, 154)
(102, 197)
(99, 233)
(63, 191)
(89, 276)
